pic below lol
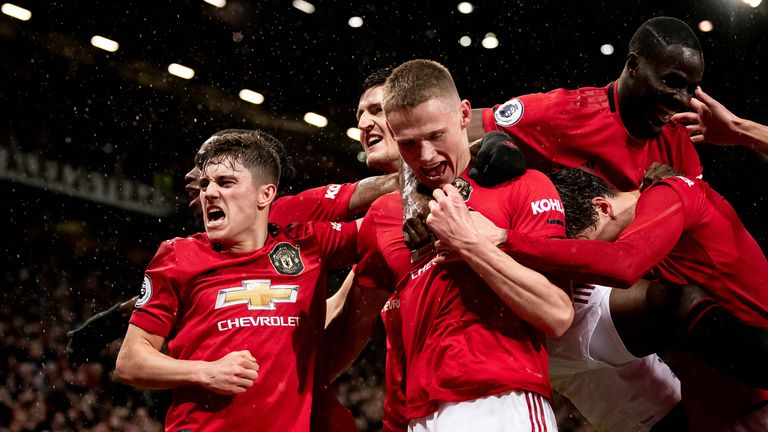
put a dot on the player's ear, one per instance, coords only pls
(602, 207)
(632, 63)
(465, 110)
(266, 194)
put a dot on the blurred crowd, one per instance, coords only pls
(47, 295)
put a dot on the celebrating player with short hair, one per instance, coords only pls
(617, 130)
(245, 307)
(453, 315)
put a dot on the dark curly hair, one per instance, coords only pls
(577, 188)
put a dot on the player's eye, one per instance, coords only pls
(674, 81)
(436, 136)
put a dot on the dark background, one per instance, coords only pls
(122, 114)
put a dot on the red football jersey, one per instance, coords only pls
(460, 341)
(582, 128)
(326, 203)
(270, 301)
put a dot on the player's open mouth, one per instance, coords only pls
(435, 171)
(665, 114)
(373, 140)
(216, 216)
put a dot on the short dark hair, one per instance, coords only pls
(415, 82)
(577, 188)
(376, 79)
(654, 36)
(253, 148)
(287, 169)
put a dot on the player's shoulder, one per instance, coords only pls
(685, 187)
(296, 231)
(682, 182)
(386, 204)
(194, 240)
(557, 105)
(676, 131)
(532, 179)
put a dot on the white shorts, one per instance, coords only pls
(590, 365)
(512, 411)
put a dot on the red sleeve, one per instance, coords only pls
(338, 241)
(157, 307)
(536, 207)
(327, 203)
(658, 224)
(689, 159)
(536, 122)
(372, 272)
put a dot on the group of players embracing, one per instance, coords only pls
(496, 282)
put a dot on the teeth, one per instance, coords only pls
(435, 170)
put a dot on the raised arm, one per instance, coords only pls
(368, 189)
(141, 364)
(713, 123)
(526, 292)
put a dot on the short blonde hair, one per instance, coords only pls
(415, 82)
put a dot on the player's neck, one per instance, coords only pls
(463, 161)
(250, 240)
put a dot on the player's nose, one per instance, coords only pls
(365, 123)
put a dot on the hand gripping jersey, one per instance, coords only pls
(270, 301)
(326, 203)
(582, 128)
(460, 342)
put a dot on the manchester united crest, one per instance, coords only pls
(286, 259)
(465, 189)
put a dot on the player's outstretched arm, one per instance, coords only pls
(90, 338)
(368, 189)
(711, 122)
(526, 292)
(141, 364)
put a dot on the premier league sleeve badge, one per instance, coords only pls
(509, 113)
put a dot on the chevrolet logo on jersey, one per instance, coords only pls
(258, 295)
